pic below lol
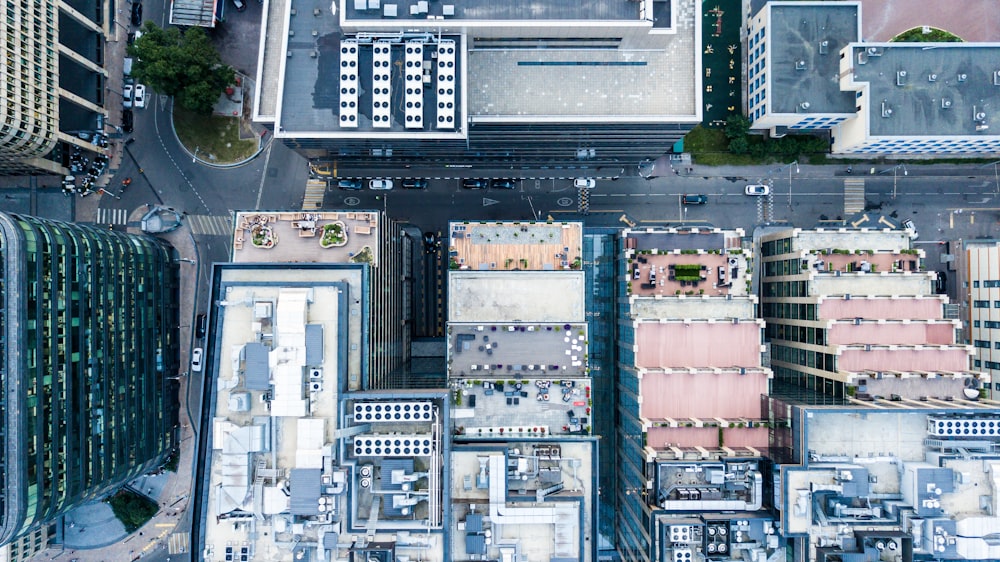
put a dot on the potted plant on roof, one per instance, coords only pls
(334, 234)
(364, 256)
(262, 236)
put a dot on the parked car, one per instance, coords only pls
(196, 360)
(694, 199)
(128, 121)
(349, 184)
(430, 242)
(503, 184)
(411, 183)
(380, 184)
(587, 183)
(200, 326)
(127, 96)
(908, 225)
(941, 283)
(137, 13)
(140, 95)
(240, 5)
(474, 183)
(758, 190)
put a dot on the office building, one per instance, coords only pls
(853, 313)
(90, 324)
(524, 459)
(900, 481)
(808, 70)
(298, 464)
(53, 82)
(982, 272)
(360, 237)
(406, 80)
(691, 439)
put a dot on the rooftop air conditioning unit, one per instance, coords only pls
(800, 65)
(945, 103)
(963, 77)
(932, 77)
(315, 374)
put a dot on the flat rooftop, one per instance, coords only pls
(701, 307)
(702, 395)
(330, 237)
(535, 499)
(490, 350)
(805, 40)
(486, 246)
(695, 344)
(928, 89)
(530, 406)
(494, 297)
(888, 239)
(632, 71)
(688, 274)
(928, 307)
(868, 284)
(287, 386)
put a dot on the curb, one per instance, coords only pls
(261, 147)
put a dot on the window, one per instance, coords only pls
(996, 345)
(980, 304)
(975, 284)
(993, 365)
(983, 344)
(996, 304)
(990, 324)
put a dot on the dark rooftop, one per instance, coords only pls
(805, 43)
(947, 88)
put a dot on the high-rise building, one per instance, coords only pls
(691, 439)
(456, 82)
(854, 314)
(366, 237)
(89, 329)
(55, 83)
(982, 273)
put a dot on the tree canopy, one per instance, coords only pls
(184, 65)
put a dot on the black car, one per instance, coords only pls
(474, 183)
(127, 121)
(430, 242)
(350, 184)
(136, 14)
(414, 184)
(941, 283)
(199, 326)
(503, 184)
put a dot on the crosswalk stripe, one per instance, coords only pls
(210, 224)
(112, 216)
(313, 198)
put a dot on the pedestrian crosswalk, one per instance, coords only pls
(854, 196)
(315, 188)
(210, 224)
(112, 216)
(179, 543)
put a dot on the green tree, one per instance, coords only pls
(739, 145)
(184, 65)
(737, 126)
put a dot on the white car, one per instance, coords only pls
(127, 96)
(908, 225)
(758, 190)
(586, 183)
(380, 184)
(140, 95)
(196, 360)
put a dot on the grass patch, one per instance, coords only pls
(710, 147)
(132, 509)
(172, 461)
(215, 138)
(917, 35)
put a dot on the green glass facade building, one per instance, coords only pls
(89, 329)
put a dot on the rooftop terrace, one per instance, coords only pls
(688, 274)
(331, 237)
(530, 406)
(515, 246)
(516, 350)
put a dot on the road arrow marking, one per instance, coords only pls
(488, 202)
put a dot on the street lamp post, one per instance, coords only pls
(895, 170)
(790, 168)
(996, 174)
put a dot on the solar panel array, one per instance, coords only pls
(381, 60)
(446, 84)
(348, 84)
(414, 97)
